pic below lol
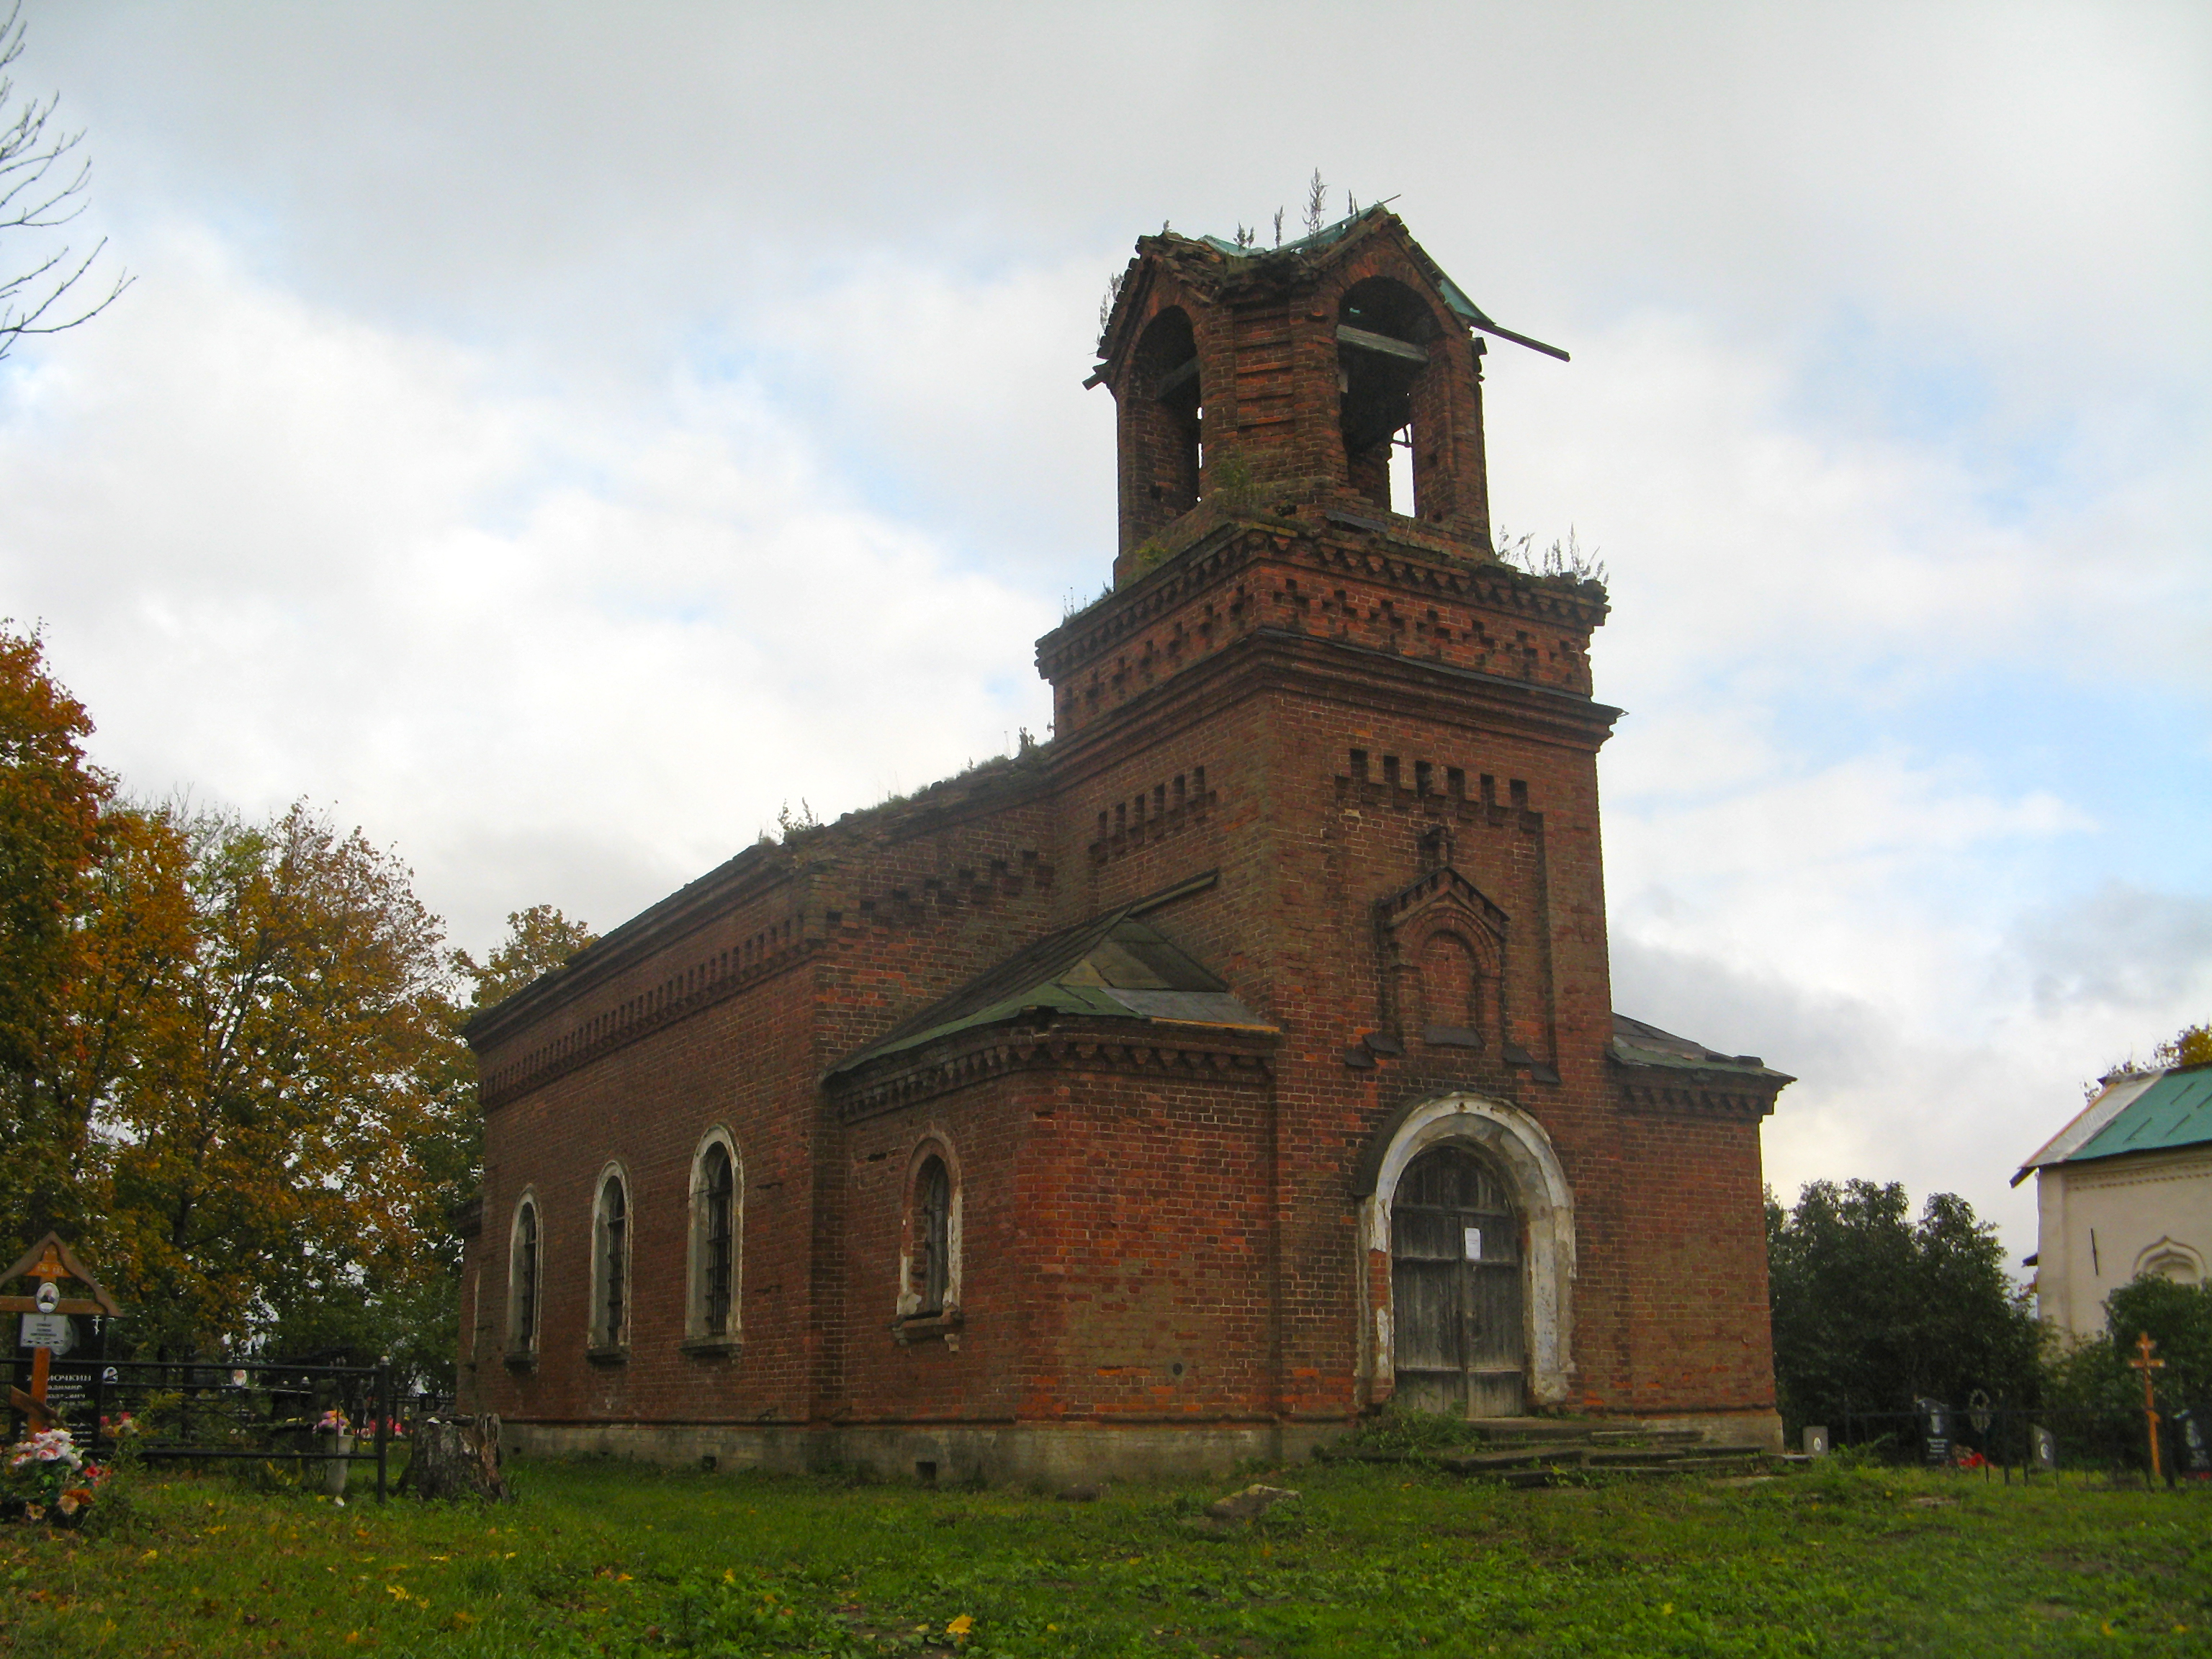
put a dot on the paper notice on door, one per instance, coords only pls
(1473, 1242)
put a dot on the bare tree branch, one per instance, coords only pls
(39, 191)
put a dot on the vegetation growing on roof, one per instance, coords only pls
(1563, 558)
(2190, 1045)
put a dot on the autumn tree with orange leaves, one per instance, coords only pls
(230, 1059)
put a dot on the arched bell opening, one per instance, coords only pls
(1161, 439)
(1384, 335)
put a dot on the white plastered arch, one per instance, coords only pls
(696, 1327)
(2171, 1259)
(934, 1141)
(1517, 1143)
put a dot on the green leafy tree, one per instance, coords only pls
(427, 1333)
(2100, 1395)
(1873, 1308)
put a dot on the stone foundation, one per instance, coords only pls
(1759, 1428)
(995, 1454)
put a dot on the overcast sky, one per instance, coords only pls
(553, 437)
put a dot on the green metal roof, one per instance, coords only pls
(1455, 296)
(1635, 1043)
(1112, 967)
(2174, 1111)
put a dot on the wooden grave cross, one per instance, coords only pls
(2143, 1363)
(47, 1261)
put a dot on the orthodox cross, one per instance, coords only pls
(47, 1261)
(2143, 1363)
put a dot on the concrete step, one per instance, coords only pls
(1668, 1456)
(1557, 1474)
(1490, 1462)
(1499, 1445)
(1549, 1429)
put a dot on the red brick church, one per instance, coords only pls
(1179, 1090)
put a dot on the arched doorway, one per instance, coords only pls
(1458, 1279)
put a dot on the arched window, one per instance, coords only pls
(933, 1245)
(717, 1227)
(929, 1279)
(611, 1263)
(524, 1257)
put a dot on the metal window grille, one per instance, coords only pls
(720, 1239)
(615, 1212)
(526, 1289)
(933, 1267)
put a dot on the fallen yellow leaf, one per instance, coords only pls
(960, 1626)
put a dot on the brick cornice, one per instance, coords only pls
(1242, 546)
(1271, 659)
(757, 870)
(1189, 1052)
(1666, 1091)
(640, 1017)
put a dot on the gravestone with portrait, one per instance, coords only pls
(50, 1327)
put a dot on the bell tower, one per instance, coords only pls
(1283, 376)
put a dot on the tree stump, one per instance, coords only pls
(457, 1457)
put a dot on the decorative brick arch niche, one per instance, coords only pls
(1444, 961)
(1516, 1144)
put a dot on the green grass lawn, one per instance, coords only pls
(606, 1558)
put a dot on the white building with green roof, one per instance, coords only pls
(2124, 1189)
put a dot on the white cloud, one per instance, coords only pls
(558, 437)
(550, 654)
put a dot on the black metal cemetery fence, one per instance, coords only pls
(2003, 1442)
(238, 1411)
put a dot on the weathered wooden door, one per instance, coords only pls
(1456, 1287)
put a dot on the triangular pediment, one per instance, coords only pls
(1443, 889)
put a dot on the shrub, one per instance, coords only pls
(1873, 1310)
